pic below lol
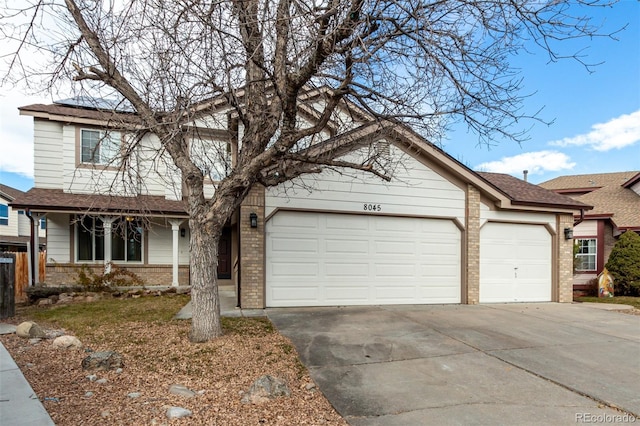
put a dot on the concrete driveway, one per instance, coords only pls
(460, 364)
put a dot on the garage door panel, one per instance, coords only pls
(345, 223)
(515, 263)
(394, 248)
(347, 294)
(351, 270)
(353, 247)
(364, 259)
(286, 246)
(395, 270)
(294, 269)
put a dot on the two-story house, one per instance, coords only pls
(616, 201)
(437, 233)
(15, 225)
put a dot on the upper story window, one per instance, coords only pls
(4, 214)
(99, 146)
(586, 256)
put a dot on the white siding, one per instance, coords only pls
(160, 243)
(48, 154)
(24, 224)
(587, 228)
(415, 190)
(58, 238)
(636, 188)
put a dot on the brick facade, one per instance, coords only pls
(65, 274)
(252, 251)
(564, 260)
(472, 236)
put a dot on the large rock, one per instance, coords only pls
(265, 389)
(105, 360)
(67, 342)
(30, 330)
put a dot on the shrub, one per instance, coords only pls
(624, 265)
(117, 277)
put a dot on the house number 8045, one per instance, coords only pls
(372, 207)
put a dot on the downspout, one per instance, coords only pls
(577, 222)
(34, 251)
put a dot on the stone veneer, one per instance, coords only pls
(252, 251)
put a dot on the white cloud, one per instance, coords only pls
(535, 162)
(616, 133)
(16, 134)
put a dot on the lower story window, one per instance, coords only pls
(126, 239)
(586, 254)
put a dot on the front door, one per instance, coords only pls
(224, 255)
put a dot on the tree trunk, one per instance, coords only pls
(205, 323)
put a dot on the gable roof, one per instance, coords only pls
(507, 190)
(9, 192)
(525, 193)
(609, 193)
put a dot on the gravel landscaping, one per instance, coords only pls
(163, 374)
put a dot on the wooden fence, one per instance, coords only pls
(22, 274)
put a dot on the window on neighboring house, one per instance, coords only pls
(586, 256)
(99, 147)
(43, 223)
(126, 239)
(4, 214)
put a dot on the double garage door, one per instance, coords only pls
(323, 259)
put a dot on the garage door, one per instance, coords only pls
(515, 263)
(320, 259)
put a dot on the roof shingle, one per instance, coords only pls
(606, 193)
(521, 192)
(40, 199)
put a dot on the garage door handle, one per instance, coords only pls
(515, 272)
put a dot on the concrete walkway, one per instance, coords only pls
(19, 405)
(520, 364)
(228, 307)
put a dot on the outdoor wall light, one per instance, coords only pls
(568, 233)
(183, 232)
(253, 219)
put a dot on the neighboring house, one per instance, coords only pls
(437, 233)
(15, 225)
(615, 198)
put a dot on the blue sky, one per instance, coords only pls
(596, 116)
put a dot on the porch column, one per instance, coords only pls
(107, 222)
(175, 228)
(36, 245)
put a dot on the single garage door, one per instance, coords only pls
(322, 259)
(515, 263)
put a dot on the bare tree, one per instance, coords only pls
(285, 68)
